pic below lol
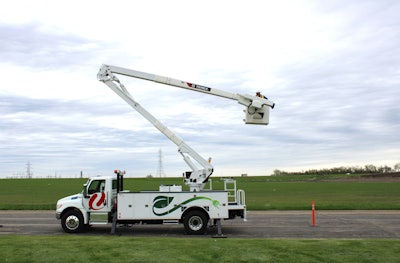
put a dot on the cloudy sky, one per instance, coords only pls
(331, 67)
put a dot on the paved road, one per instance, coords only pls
(260, 224)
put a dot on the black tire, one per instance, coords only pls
(195, 222)
(72, 222)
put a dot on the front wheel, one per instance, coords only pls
(72, 222)
(195, 222)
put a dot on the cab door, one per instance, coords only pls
(98, 198)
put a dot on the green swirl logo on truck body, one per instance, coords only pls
(163, 201)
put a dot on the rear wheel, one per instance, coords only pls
(72, 222)
(195, 222)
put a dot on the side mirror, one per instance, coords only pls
(85, 195)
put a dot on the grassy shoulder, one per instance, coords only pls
(68, 248)
(333, 192)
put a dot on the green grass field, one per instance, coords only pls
(262, 193)
(75, 248)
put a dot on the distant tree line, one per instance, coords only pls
(367, 169)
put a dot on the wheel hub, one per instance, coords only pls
(195, 223)
(72, 222)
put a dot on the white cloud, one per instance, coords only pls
(332, 69)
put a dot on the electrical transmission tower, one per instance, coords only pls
(29, 173)
(160, 170)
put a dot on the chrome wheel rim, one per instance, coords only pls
(195, 223)
(72, 222)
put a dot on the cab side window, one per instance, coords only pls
(96, 186)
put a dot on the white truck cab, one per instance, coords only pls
(92, 205)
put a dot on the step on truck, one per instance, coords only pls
(103, 199)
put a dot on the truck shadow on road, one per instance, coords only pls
(148, 231)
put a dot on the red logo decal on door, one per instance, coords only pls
(96, 202)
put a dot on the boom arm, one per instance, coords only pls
(256, 112)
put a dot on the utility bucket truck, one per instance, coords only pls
(104, 200)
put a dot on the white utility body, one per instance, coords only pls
(103, 199)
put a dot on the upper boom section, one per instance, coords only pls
(257, 107)
(168, 81)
